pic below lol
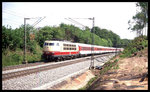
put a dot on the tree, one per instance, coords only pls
(112, 38)
(140, 20)
(12, 39)
(45, 33)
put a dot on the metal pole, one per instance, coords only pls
(92, 31)
(93, 41)
(25, 61)
(92, 47)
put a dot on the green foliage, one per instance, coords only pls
(107, 66)
(139, 43)
(125, 42)
(116, 60)
(16, 57)
(11, 57)
(13, 40)
(43, 34)
(112, 38)
(140, 20)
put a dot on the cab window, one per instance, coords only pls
(45, 44)
(48, 44)
(51, 44)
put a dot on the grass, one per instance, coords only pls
(108, 66)
(16, 57)
(89, 83)
(11, 58)
(116, 67)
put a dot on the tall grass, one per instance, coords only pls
(16, 57)
(11, 58)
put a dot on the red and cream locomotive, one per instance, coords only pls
(59, 50)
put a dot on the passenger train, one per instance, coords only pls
(60, 50)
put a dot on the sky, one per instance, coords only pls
(112, 16)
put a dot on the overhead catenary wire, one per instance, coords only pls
(38, 21)
(15, 13)
(16, 22)
(71, 20)
(81, 18)
(77, 22)
(14, 19)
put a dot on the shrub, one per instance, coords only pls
(137, 44)
(11, 59)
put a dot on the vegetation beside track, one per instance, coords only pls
(10, 57)
(107, 66)
(137, 45)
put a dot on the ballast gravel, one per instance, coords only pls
(36, 80)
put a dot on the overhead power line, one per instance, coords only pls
(81, 18)
(16, 14)
(71, 20)
(39, 20)
(8, 19)
(13, 14)
(77, 22)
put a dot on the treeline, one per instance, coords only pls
(13, 40)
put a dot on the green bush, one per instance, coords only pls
(116, 60)
(139, 43)
(145, 43)
(16, 57)
(11, 59)
(133, 50)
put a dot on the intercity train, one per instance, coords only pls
(60, 50)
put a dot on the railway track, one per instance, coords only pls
(10, 75)
(21, 66)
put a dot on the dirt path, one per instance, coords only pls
(128, 74)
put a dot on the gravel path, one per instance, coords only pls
(48, 78)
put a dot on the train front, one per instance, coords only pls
(50, 48)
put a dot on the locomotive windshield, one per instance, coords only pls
(49, 44)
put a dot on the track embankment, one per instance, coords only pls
(128, 74)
